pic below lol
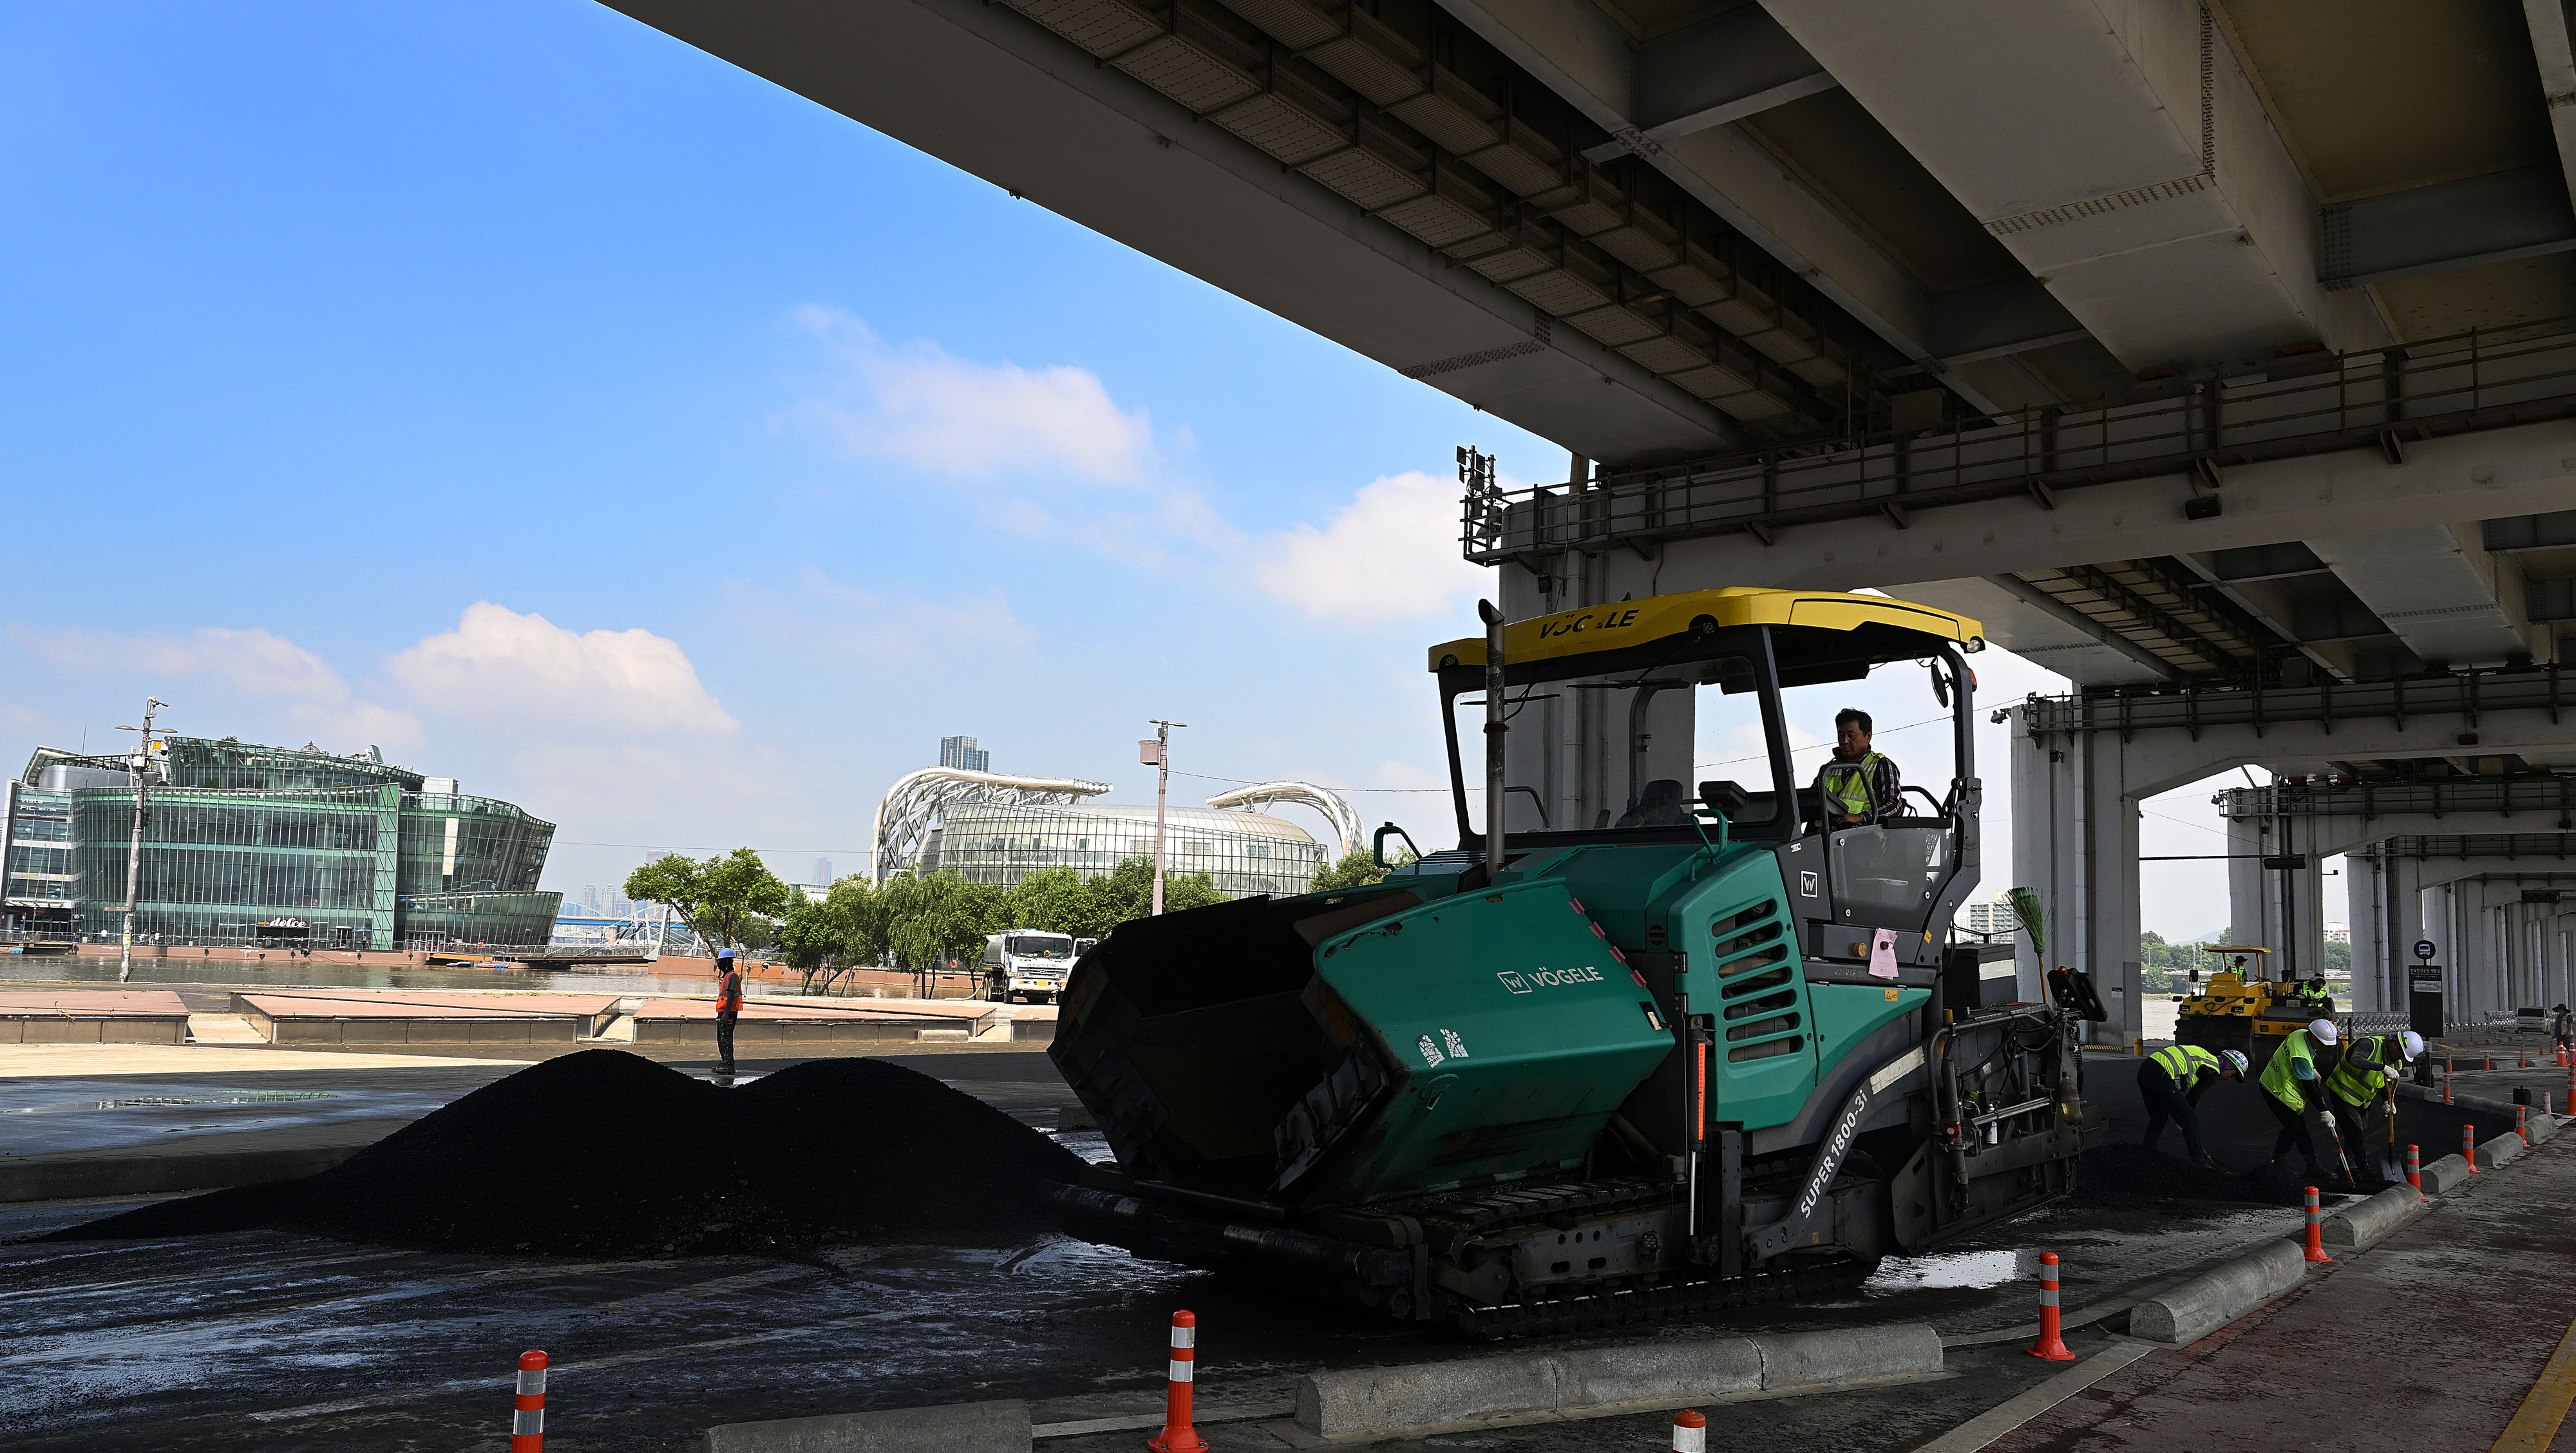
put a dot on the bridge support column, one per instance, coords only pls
(2075, 842)
(2363, 886)
(1571, 748)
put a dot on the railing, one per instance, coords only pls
(2454, 699)
(2548, 798)
(2306, 404)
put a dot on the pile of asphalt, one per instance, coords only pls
(606, 1154)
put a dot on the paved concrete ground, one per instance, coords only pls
(2432, 1339)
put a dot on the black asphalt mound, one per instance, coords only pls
(606, 1154)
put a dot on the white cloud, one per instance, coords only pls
(1391, 553)
(254, 663)
(499, 662)
(965, 420)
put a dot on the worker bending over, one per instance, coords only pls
(2290, 1084)
(2364, 1078)
(2172, 1081)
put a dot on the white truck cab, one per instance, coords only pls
(1026, 964)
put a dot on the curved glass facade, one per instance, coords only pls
(1244, 852)
(245, 844)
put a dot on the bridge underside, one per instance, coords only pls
(1810, 291)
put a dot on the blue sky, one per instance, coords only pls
(559, 408)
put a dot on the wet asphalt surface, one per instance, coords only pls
(272, 1340)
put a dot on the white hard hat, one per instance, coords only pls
(2410, 1043)
(2321, 1030)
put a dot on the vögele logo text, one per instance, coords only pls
(1548, 978)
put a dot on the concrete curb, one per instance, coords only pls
(2364, 1222)
(2446, 1175)
(2498, 1151)
(2479, 1103)
(2218, 1296)
(994, 1427)
(155, 1175)
(1377, 1402)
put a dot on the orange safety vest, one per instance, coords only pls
(729, 992)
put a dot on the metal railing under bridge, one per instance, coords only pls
(2305, 404)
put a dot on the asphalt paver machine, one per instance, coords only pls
(1716, 1051)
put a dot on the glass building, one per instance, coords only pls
(1245, 852)
(963, 754)
(252, 845)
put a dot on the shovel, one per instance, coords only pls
(2390, 1168)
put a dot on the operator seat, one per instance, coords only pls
(1658, 805)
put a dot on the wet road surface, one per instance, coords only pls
(273, 1340)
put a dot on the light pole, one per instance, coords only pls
(141, 762)
(1158, 755)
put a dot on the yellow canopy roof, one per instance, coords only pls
(1633, 622)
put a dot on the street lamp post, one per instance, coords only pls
(141, 762)
(1158, 755)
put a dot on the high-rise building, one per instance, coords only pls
(823, 871)
(1993, 915)
(961, 753)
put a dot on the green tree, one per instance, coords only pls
(862, 907)
(933, 918)
(1127, 891)
(1357, 869)
(813, 935)
(723, 899)
(1053, 899)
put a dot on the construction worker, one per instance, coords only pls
(2363, 1078)
(1858, 786)
(2172, 1081)
(728, 1006)
(2316, 997)
(2289, 1086)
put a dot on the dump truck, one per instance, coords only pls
(1718, 1049)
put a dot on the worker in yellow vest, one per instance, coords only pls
(2171, 1083)
(1857, 786)
(2364, 1078)
(2291, 1083)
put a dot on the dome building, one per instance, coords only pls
(1246, 853)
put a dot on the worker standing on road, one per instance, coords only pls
(728, 1006)
(2562, 1027)
(2289, 1081)
(2172, 1081)
(2363, 1078)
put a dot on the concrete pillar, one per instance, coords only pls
(2402, 896)
(2363, 884)
(1571, 749)
(2110, 864)
(2036, 774)
(2441, 920)
(2075, 842)
(2304, 928)
(2249, 911)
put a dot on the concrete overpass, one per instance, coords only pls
(2205, 352)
